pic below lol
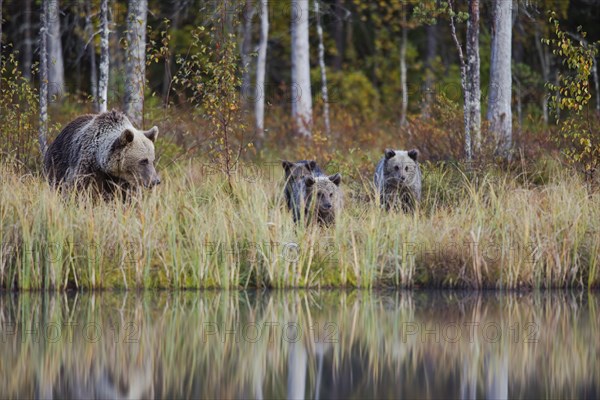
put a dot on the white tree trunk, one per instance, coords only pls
(56, 69)
(104, 58)
(135, 69)
(429, 75)
(545, 63)
(403, 79)
(1, 50)
(499, 113)
(473, 106)
(324, 91)
(301, 91)
(27, 47)
(465, 84)
(89, 32)
(261, 64)
(596, 83)
(246, 51)
(43, 129)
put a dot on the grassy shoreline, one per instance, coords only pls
(490, 230)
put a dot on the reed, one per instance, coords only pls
(486, 230)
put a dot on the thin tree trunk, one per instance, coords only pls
(465, 87)
(27, 47)
(323, 70)
(596, 83)
(545, 64)
(499, 113)
(261, 63)
(403, 79)
(43, 129)
(104, 58)
(178, 10)
(429, 76)
(56, 69)
(89, 32)
(301, 91)
(340, 44)
(473, 77)
(1, 50)
(246, 51)
(135, 64)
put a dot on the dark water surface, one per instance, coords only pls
(327, 344)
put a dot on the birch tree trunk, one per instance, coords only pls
(27, 48)
(465, 85)
(1, 50)
(178, 11)
(544, 57)
(56, 69)
(596, 83)
(473, 76)
(135, 64)
(43, 128)
(89, 32)
(340, 37)
(261, 64)
(499, 113)
(104, 58)
(301, 91)
(324, 92)
(429, 76)
(246, 51)
(403, 80)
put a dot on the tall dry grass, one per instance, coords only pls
(484, 230)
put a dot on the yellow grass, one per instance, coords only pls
(484, 230)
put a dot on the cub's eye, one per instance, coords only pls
(406, 168)
(144, 161)
(397, 168)
(331, 194)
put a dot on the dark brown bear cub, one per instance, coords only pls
(295, 172)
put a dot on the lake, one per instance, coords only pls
(300, 344)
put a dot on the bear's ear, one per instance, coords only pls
(336, 179)
(287, 165)
(414, 154)
(312, 165)
(309, 181)
(389, 153)
(125, 138)
(152, 133)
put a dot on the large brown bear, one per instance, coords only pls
(103, 151)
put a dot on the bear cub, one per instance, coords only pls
(294, 188)
(398, 179)
(323, 198)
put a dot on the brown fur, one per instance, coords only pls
(323, 198)
(103, 151)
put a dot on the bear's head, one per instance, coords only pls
(400, 167)
(295, 171)
(132, 157)
(323, 194)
